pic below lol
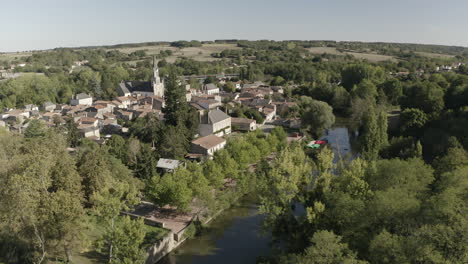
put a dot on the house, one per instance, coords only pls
(210, 89)
(18, 115)
(88, 121)
(215, 122)
(277, 89)
(48, 107)
(207, 145)
(253, 85)
(49, 116)
(208, 103)
(269, 111)
(125, 115)
(168, 165)
(82, 99)
(243, 124)
(89, 131)
(30, 107)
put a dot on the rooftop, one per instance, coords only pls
(209, 141)
(168, 164)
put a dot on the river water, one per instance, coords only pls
(232, 237)
(235, 235)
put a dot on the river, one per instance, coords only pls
(234, 236)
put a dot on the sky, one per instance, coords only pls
(45, 24)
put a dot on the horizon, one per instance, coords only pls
(52, 24)
(213, 40)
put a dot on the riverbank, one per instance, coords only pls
(234, 236)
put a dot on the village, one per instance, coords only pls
(98, 120)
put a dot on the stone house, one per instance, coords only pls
(48, 107)
(82, 99)
(243, 124)
(215, 122)
(210, 89)
(207, 145)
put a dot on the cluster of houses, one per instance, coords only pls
(98, 119)
(447, 68)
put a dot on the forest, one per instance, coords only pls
(402, 199)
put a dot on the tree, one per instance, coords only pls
(426, 96)
(326, 248)
(176, 104)
(93, 167)
(412, 120)
(174, 144)
(148, 129)
(354, 74)
(40, 177)
(127, 239)
(286, 179)
(171, 189)
(73, 135)
(117, 147)
(317, 116)
(393, 90)
(35, 129)
(372, 133)
(108, 203)
(365, 89)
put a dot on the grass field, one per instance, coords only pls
(202, 53)
(435, 55)
(372, 57)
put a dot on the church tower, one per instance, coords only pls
(158, 85)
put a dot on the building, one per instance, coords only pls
(82, 99)
(88, 131)
(215, 122)
(48, 107)
(243, 124)
(168, 165)
(210, 89)
(269, 112)
(208, 104)
(207, 145)
(155, 87)
(30, 108)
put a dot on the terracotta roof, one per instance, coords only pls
(209, 141)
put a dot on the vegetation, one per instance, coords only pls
(401, 200)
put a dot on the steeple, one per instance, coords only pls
(158, 85)
(155, 71)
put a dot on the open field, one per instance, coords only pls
(435, 55)
(372, 57)
(197, 53)
(13, 55)
(328, 50)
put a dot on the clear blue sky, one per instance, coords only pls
(42, 24)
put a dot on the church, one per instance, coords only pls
(139, 88)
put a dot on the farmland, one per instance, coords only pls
(202, 53)
(372, 57)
